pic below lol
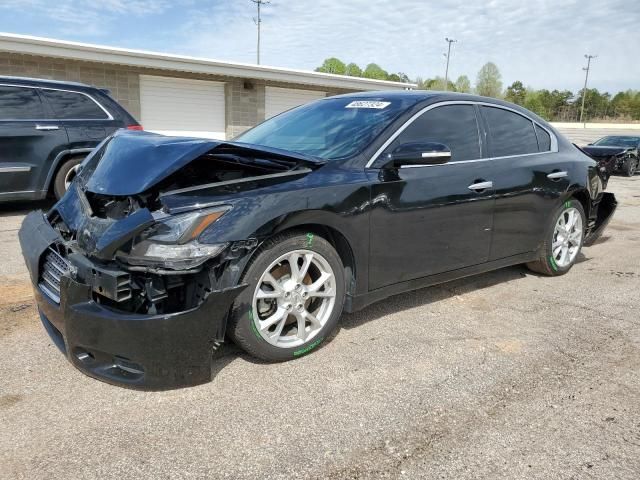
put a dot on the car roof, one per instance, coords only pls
(42, 82)
(425, 97)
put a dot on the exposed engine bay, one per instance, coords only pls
(139, 255)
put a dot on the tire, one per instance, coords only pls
(65, 173)
(630, 166)
(250, 315)
(555, 265)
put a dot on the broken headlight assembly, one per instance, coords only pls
(172, 242)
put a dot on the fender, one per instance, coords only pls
(56, 161)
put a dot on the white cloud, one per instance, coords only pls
(540, 42)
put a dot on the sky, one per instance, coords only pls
(539, 42)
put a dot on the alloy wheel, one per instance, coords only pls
(294, 299)
(71, 174)
(567, 237)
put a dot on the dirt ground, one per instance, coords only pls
(503, 375)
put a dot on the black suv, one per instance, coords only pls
(46, 129)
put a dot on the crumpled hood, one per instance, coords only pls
(130, 163)
(596, 151)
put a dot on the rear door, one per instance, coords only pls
(86, 120)
(432, 219)
(30, 139)
(530, 177)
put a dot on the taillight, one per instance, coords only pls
(134, 127)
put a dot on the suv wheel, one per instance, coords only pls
(65, 175)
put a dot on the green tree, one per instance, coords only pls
(375, 71)
(353, 70)
(463, 84)
(332, 65)
(516, 93)
(437, 83)
(393, 77)
(489, 81)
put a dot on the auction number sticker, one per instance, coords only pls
(368, 104)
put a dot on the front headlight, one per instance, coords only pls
(172, 242)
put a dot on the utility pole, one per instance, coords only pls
(448, 55)
(258, 21)
(584, 90)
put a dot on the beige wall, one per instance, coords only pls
(244, 97)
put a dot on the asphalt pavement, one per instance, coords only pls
(503, 375)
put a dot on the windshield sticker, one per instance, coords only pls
(368, 104)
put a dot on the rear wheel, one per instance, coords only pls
(294, 299)
(564, 242)
(65, 175)
(630, 166)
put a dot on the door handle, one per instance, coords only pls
(477, 187)
(47, 127)
(557, 175)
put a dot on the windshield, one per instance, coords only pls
(331, 128)
(618, 142)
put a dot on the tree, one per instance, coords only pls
(353, 70)
(489, 81)
(463, 85)
(375, 71)
(437, 83)
(393, 77)
(516, 93)
(332, 65)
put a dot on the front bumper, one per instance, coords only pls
(151, 352)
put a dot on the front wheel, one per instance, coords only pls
(294, 299)
(564, 242)
(630, 166)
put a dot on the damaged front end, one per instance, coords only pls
(127, 284)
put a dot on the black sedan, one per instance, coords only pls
(163, 247)
(616, 153)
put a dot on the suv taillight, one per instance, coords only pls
(134, 127)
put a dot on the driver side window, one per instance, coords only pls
(455, 126)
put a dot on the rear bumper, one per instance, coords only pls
(151, 352)
(605, 210)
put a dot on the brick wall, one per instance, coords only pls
(244, 97)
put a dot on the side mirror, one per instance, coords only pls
(589, 144)
(419, 153)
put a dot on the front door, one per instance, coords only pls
(432, 219)
(28, 138)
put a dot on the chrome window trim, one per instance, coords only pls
(14, 169)
(109, 116)
(396, 134)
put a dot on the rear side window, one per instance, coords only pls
(511, 133)
(18, 103)
(455, 126)
(544, 139)
(72, 105)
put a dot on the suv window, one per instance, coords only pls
(455, 126)
(72, 105)
(511, 133)
(544, 139)
(19, 103)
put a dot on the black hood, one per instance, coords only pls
(129, 163)
(596, 151)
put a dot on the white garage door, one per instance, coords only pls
(178, 106)
(278, 100)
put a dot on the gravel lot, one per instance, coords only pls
(503, 375)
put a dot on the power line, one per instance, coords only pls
(258, 21)
(586, 78)
(448, 55)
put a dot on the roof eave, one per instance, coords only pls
(138, 58)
